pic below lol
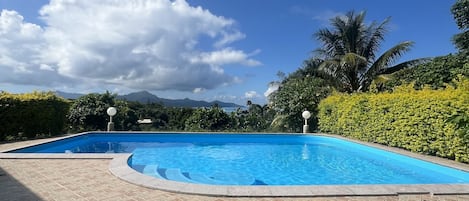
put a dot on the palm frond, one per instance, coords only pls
(375, 36)
(353, 60)
(353, 32)
(406, 64)
(383, 78)
(331, 42)
(330, 67)
(349, 50)
(387, 58)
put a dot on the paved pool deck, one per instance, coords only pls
(43, 177)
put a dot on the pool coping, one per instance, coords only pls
(119, 167)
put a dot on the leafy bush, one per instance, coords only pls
(436, 73)
(31, 115)
(208, 119)
(294, 96)
(460, 11)
(256, 118)
(424, 121)
(89, 113)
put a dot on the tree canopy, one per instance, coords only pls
(436, 73)
(301, 90)
(460, 12)
(349, 50)
(89, 112)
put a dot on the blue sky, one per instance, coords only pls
(200, 49)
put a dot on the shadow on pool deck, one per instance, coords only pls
(12, 189)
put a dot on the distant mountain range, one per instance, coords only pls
(147, 97)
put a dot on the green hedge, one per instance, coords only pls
(416, 120)
(436, 73)
(31, 115)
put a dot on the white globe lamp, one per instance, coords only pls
(306, 115)
(111, 111)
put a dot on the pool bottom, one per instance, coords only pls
(281, 160)
(120, 168)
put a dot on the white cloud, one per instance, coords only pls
(143, 44)
(272, 88)
(229, 38)
(198, 90)
(46, 67)
(20, 46)
(225, 97)
(251, 94)
(223, 57)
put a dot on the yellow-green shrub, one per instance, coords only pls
(32, 114)
(416, 120)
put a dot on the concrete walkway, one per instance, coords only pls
(90, 179)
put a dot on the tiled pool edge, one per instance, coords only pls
(432, 159)
(39, 141)
(428, 158)
(119, 167)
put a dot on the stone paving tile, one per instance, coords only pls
(89, 179)
(15, 145)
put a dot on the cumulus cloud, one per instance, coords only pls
(272, 88)
(198, 90)
(223, 57)
(20, 46)
(226, 97)
(142, 44)
(229, 37)
(251, 94)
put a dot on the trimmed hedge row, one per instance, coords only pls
(31, 115)
(416, 120)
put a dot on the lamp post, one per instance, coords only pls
(111, 111)
(306, 115)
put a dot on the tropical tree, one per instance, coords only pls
(437, 73)
(349, 50)
(208, 119)
(301, 90)
(156, 112)
(460, 11)
(256, 118)
(89, 112)
(178, 117)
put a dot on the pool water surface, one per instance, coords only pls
(253, 159)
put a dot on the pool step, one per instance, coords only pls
(233, 178)
(176, 175)
(203, 179)
(152, 170)
(219, 178)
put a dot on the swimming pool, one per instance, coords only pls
(261, 160)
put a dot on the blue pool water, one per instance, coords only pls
(241, 159)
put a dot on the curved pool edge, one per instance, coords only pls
(120, 168)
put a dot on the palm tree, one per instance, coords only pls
(350, 50)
